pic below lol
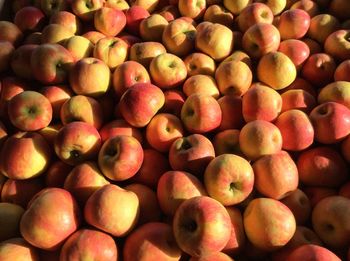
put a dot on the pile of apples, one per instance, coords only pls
(160, 130)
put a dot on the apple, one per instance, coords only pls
(298, 99)
(298, 202)
(24, 155)
(93, 36)
(119, 127)
(85, 9)
(152, 27)
(89, 242)
(201, 84)
(321, 26)
(229, 179)
(317, 193)
(192, 8)
(219, 256)
(153, 239)
(297, 50)
(51, 7)
(201, 226)
(68, 20)
(337, 119)
(29, 19)
(77, 142)
(261, 102)
(10, 217)
(109, 21)
(174, 100)
(330, 221)
(338, 92)
(149, 205)
(276, 70)
(144, 52)
(293, 24)
(112, 209)
(259, 138)
(167, 70)
(6, 52)
(47, 225)
(254, 13)
(20, 192)
(83, 180)
(79, 46)
(141, 97)
(191, 153)
(236, 7)
(218, 14)
(269, 231)
(337, 44)
(322, 166)
(21, 59)
(311, 7)
(30, 111)
(199, 63)
(134, 15)
(174, 187)
(55, 34)
(17, 249)
(56, 174)
(296, 129)
(276, 6)
(215, 40)
(117, 4)
(179, 37)
(302, 84)
(231, 109)
(227, 142)
(10, 32)
(3, 137)
(50, 132)
(342, 71)
(314, 252)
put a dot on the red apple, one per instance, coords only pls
(253, 14)
(293, 24)
(109, 21)
(313, 252)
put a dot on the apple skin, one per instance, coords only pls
(260, 39)
(254, 13)
(93, 36)
(299, 204)
(218, 14)
(293, 24)
(345, 148)
(10, 32)
(337, 45)
(21, 59)
(261, 102)
(174, 100)
(311, 7)
(29, 18)
(191, 153)
(313, 252)
(321, 26)
(152, 27)
(154, 165)
(144, 52)
(68, 20)
(119, 127)
(231, 109)
(322, 166)
(163, 130)
(14, 165)
(49, 7)
(47, 225)
(174, 187)
(56, 174)
(90, 76)
(201, 225)
(11, 215)
(201, 113)
(201, 83)
(276, 6)
(200, 63)
(149, 205)
(30, 111)
(338, 92)
(330, 220)
(215, 40)
(50, 63)
(6, 53)
(236, 7)
(302, 84)
(296, 129)
(120, 157)
(265, 231)
(109, 21)
(134, 15)
(140, 103)
(20, 192)
(167, 70)
(79, 46)
(83, 180)
(276, 175)
(89, 242)
(77, 142)
(55, 34)
(17, 249)
(298, 99)
(112, 209)
(85, 10)
(192, 8)
(334, 116)
(342, 72)
(297, 50)
(150, 241)
(227, 142)
(258, 138)
(317, 193)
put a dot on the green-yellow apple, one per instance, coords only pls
(338, 91)
(117, 4)
(140, 103)
(296, 129)
(79, 46)
(191, 153)
(17, 249)
(215, 40)
(321, 26)
(109, 21)
(10, 216)
(322, 166)
(152, 27)
(151, 240)
(144, 52)
(276, 175)
(201, 225)
(112, 209)
(200, 63)
(77, 142)
(261, 102)
(174, 187)
(299, 204)
(254, 13)
(68, 20)
(259, 138)
(89, 243)
(83, 180)
(229, 179)
(218, 14)
(24, 155)
(85, 9)
(50, 63)
(119, 127)
(46, 224)
(276, 6)
(236, 7)
(55, 34)
(293, 24)
(149, 5)
(30, 111)
(90, 76)
(192, 8)
(268, 223)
